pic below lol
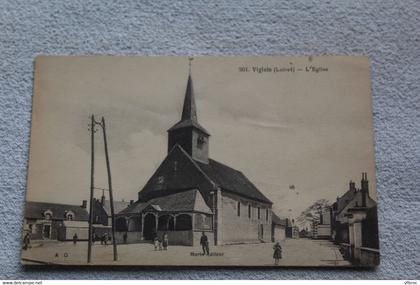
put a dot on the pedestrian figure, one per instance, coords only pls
(26, 241)
(156, 242)
(125, 237)
(204, 241)
(165, 241)
(75, 239)
(277, 253)
(104, 240)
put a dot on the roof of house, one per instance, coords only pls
(186, 201)
(118, 206)
(35, 210)
(343, 201)
(276, 220)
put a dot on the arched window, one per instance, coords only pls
(259, 213)
(166, 223)
(266, 214)
(183, 222)
(48, 214)
(134, 224)
(69, 216)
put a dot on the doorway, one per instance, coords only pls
(149, 229)
(46, 232)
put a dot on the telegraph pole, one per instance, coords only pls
(114, 243)
(92, 186)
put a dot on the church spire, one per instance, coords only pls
(189, 111)
(188, 133)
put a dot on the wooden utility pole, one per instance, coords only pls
(110, 190)
(92, 186)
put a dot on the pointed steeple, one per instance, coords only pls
(189, 111)
(188, 133)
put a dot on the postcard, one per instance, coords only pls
(201, 161)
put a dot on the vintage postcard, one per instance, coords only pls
(201, 161)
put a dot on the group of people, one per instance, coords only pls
(161, 242)
(104, 238)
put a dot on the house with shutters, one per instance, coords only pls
(191, 193)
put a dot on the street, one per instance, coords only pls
(296, 252)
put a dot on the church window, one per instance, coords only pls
(266, 214)
(239, 209)
(259, 213)
(175, 165)
(200, 141)
(249, 211)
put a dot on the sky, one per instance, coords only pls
(309, 129)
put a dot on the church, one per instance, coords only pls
(190, 193)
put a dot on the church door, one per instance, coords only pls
(149, 230)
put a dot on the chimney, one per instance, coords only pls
(84, 204)
(352, 186)
(131, 202)
(365, 188)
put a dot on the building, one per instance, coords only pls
(102, 210)
(323, 224)
(355, 225)
(278, 228)
(52, 221)
(352, 198)
(191, 193)
(102, 218)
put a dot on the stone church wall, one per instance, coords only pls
(242, 229)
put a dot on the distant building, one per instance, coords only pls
(214, 198)
(352, 198)
(102, 210)
(323, 225)
(354, 224)
(52, 221)
(292, 231)
(278, 228)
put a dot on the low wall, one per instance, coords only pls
(369, 256)
(67, 233)
(132, 237)
(178, 237)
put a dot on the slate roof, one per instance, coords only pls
(231, 180)
(118, 206)
(186, 201)
(343, 201)
(195, 174)
(276, 220)
(188, 123)
(35, 210)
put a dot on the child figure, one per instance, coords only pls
(156, 242)
(277, 253)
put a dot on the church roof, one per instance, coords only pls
(194, 174)
(186, 201)
(35, 210)
(231, 180)
(189, 111)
